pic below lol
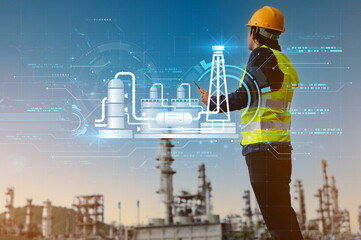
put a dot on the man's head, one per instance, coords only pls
(256, 37)
(266, 25)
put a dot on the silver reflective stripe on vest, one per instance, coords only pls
(264, 125)
(278, 104)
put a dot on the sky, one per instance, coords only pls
(42, 41)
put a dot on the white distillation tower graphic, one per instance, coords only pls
(115, 101)
(160, 118)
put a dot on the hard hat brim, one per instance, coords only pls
(253, 25)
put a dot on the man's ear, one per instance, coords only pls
(252, 33)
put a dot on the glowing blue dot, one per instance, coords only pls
(92, 93)
(72, 58)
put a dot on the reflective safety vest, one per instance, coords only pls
(271, 121)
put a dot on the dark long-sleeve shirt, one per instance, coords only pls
(262, 65)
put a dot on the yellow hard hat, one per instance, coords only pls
(268, 17)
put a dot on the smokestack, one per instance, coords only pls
(138, 211)
(166, 179)
(120, 213)
(359, 217)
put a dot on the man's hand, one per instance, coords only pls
(204, 95)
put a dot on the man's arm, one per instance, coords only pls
(238, 99)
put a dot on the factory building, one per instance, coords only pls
(186, 215)
(199, 231)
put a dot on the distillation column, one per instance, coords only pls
(9, 216)
(204, 189)
(166, 179)
(28, 215)
(46, 223)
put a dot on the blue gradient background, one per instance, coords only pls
(178, 34)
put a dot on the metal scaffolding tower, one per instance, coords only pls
(326, 194)
(336, 216)
(346, 222)
(333, 221)
(300, 197)
(90, 214)
(247, 210)
(165, 160)
(321, 211)
(218, 87)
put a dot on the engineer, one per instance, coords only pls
(266, 133)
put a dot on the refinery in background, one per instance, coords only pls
(184, 216)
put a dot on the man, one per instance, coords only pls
(266, 142)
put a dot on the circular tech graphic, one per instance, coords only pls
(95, 68)
(202, 71)
(80, 127)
